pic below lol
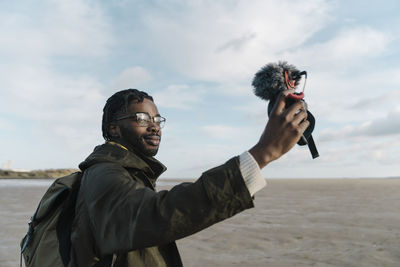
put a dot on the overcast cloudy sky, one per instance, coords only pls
(61, 60)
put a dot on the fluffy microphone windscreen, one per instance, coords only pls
(269, 81)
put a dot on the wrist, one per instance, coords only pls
(261, 155)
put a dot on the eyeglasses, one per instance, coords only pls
(144, 119)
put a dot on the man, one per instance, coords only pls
(120, 219)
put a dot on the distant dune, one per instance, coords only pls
(36, 174)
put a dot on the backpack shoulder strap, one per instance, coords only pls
(64, 225)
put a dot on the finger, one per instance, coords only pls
(303, 126)
(281, 102)
(294, 109)
(300, 117)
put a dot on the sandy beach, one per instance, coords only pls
(315, 222)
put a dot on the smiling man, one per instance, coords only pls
(120, 220)
(138, 127)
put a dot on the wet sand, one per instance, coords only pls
(316, 222)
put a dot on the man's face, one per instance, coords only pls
(145, 139)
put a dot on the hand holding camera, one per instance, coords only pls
(287, 109)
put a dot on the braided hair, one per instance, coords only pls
(118, 103)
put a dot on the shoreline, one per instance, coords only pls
(35, 174)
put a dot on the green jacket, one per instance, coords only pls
(121, 220)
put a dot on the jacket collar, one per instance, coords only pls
(117, 153)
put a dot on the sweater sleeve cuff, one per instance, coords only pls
(251, 173)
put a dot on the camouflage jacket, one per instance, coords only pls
(122, 221)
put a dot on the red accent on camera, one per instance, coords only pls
(297, 96)
(291, 85)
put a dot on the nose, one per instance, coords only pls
(154, 127)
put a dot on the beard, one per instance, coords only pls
(145, 144)
(143, 147)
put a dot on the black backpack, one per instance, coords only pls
(48, 240)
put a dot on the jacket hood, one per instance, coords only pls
(115, 153)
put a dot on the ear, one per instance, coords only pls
(114, 130)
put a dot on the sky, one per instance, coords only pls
(61, 60)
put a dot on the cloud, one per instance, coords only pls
(133, 77)
(33, 45)
(178, 96)
(68, 28)
(220, 42)
(223, 132)
(382, 90)
(238, 43)
(7, 125)
(344, 50)
(40, 94)
(352, 98)
(342, 74)
(356, 43)
(388, 125)
(44, 90)
(362, 150)
(58, 119)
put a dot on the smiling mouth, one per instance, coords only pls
(152, 140)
